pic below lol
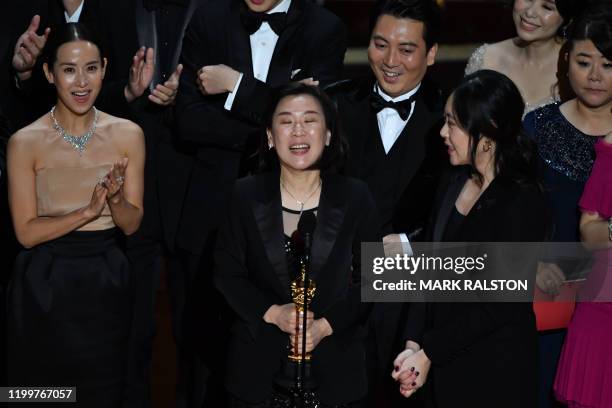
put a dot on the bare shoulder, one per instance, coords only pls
(30, 136)
(120, 130)
(500, 54)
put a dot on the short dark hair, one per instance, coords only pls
(333, 155)
(595, 24)
(66, 33)
(425, 11)
(488, 104)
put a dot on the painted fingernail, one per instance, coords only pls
(396, 368)
(416, 374)
(413, 384)
(411, 368)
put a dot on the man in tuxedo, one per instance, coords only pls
(392, 120)
(234, 53)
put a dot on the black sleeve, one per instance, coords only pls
(350, 310)
(326, 62)
(231, 275)
(203, 119)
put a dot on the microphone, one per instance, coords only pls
(306, 227)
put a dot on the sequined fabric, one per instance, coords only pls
(475, 62)
(562, 146)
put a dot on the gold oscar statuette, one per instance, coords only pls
(301, 298)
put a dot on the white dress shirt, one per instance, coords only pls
(390, 124)
(263, 42)
(74, 18)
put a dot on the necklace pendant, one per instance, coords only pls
(79, 143)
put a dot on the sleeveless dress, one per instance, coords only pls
(584, 375)
(69, 308)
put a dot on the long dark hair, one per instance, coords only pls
(333, 156)
(66, 33)
(488, 104)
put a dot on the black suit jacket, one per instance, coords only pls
(483, 345)
(250, 261)
(314, 42)
(424, 154)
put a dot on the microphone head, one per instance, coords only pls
(307, 224)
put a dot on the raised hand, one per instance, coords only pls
(28, 49)
(217, 79)
(97, 202)
(114, 180)
(141, 73)
(165, 94)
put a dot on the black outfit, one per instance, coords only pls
(69, 303)
(403, 184)
(478, 350)
(251, 272)
(312, 41)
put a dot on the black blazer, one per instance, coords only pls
(483, 354)
(313, 42)
(250, 261)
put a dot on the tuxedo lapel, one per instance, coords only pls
(330, 217)
(447, 205)
(269, 218)
(287, 47)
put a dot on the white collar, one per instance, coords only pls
(402, 97)
(77, 12)
(281, 7)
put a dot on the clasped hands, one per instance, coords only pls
(410, 369)
(284, 317)
(108, 189)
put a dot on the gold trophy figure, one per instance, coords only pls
(302, 297)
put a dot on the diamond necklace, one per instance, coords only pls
(78, 142)
(301, 203)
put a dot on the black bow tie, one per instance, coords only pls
(401, 107)
(252, 20)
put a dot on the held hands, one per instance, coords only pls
(28, 49)
(165, 94)
(217, 79)
(315, 332)
(141, 73)
(113, 181)
(549, 278)
(411, 368)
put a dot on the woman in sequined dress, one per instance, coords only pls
(532, 57)
(75, 181)
(566, 134)
(255, 267)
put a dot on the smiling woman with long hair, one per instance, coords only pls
(532, 58)
(75, 179)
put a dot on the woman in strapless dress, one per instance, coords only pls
(75, 182)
